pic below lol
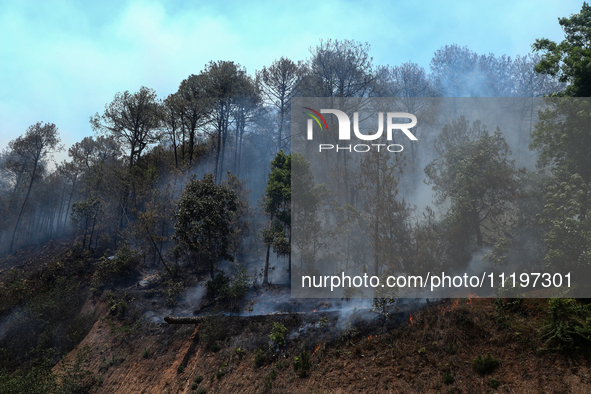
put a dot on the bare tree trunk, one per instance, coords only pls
(20, 214)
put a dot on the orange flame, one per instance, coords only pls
(410, 321)
(315, 350)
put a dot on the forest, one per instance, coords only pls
(196, 188)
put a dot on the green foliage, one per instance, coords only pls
(198, 379)
(567, 215)
(212, 331)
(568, 325)
(301, 364)
(172, 291)
(277, 203)
(118, 304)
(475, 174)
(204, 220)
(70, 377)
(493, 383)
(485, 365)
(570, 60)
(448, 378)
(221, 370)
(123, 263)
(180, 369)
(260, 357)
(200, 390)
(276, 338)
(229, 291)
(145, 353)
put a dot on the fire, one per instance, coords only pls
(410, 321)
(314, 311)
(315, 350)
(443, 310)
(471, 297)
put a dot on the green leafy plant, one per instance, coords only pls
(301, 364)
(493, 383)
(277, 335)
(485, 365)
(568, 324)
(448, 378)
(198, 379)
(259, 358)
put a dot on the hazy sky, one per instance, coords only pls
(62, 61)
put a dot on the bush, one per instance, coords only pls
(200, 390)
(259, 358)
(229, 291)
(484, 365)
(118, 305)
(123, 263)
(567, 324)
(494, 383)
(301, 364)
(448, 378)
(212, 332)
(276, 338)
(198, 379)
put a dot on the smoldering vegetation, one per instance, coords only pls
(183, 205)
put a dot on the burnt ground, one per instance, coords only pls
(349, 353)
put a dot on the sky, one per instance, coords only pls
(62, 61)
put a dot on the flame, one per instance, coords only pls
(471, 297)
(314, 311)
(443, 310)
(410, 321)
(315, 350)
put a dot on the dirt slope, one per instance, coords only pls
(433, 354)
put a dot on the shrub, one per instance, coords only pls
(567, 324)
(448, 378)
(259, 358)
(221, 372)
(198, 379)
(212, 331)
(180, 369)
(276, 338)
(123, 263)
(118, 305)
(200, 390)
(301, 364)
(145, 353)
(494, 383)
(484, 365)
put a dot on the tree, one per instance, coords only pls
(193, 106)
(563, 139)
(386, 215)
(473, 173)
(566, 213)
(132, 119)
(204, 220)
(279, 84)
(28, 155)
(277, 204)
(226, 82)
(85, 215)
(339, 69)
(571, 59)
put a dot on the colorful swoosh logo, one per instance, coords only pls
(317, 115)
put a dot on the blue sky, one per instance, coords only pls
(62, 61)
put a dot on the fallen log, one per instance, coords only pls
(182, 320)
